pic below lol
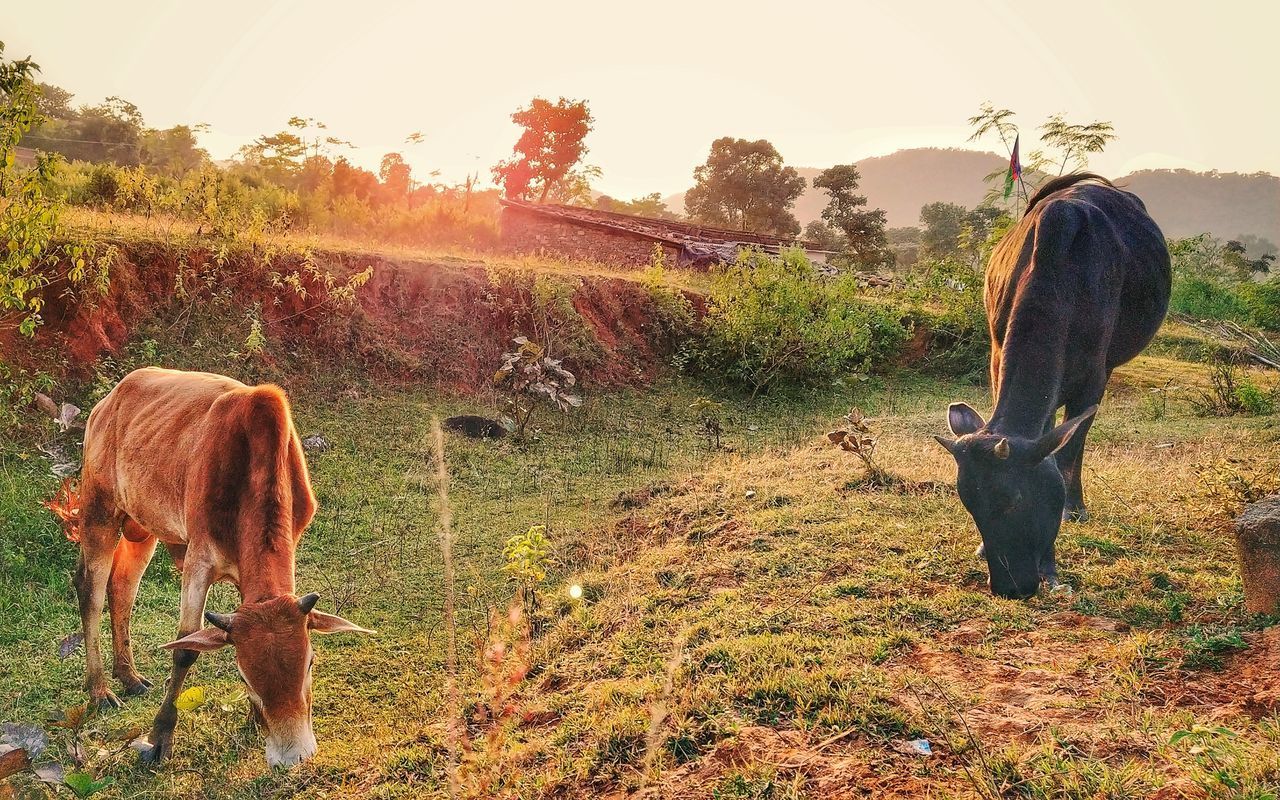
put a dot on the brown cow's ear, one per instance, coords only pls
(1056, 439)
(962, 419)
(321, 622)
(203, 641)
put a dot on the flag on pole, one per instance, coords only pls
(1015, 169)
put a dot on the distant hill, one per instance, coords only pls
(1184, 203)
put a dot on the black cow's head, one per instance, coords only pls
(1015, 493)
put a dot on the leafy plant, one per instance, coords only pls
(708, 414)
(528, 555)
(30, 223)
(1230, 393)
(529, 376)
(776, 320)
(856, 437)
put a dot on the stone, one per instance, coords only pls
(1258, 545)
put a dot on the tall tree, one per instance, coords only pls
(863, 228)
(943, 224)
(548, 149)
(396, 175)
(1064, 144)
(745, 185)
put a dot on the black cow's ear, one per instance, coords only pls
(962, 419)
(1056, 439)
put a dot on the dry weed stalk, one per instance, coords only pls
(455, 731)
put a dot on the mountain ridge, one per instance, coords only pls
(1183, 202)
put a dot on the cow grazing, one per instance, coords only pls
(213, 469)
(1077, 288)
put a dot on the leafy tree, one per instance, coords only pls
(650, 205)
(29, 218)
(943, 223)
(575, 188)
(745, 185)
(397, 176)
(864, 238)
(175, 151)
(110, 131)
(54, 102)
(824, 236)
(548, 149)
(352, 181)
(1066, 145)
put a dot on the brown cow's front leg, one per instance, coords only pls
(97, 545)
(196, 580)
(131, 559)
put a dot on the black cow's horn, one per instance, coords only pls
(222, 621)
(308, 602)
(1001, 449)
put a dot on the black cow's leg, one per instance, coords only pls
(1071, 457)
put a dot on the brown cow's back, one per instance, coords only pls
(167, 447)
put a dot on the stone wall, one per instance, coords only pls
(527, 232)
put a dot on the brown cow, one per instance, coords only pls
(213, 469)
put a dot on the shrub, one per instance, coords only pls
(945, 298)
(528, 376)
(776, 320)
(1206, 298)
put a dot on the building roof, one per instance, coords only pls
(672, 232)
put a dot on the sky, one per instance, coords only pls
(1186, 84)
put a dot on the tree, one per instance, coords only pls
(397, 176)
(548, 149)
(745, 185)
(575, 188)
(175, 151)
(864, 239)
(110, 131)
(352, 181)
(1066, 144)
(823, 236)
(650, 205)
(943, 223)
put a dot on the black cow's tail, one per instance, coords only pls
(1061, 182)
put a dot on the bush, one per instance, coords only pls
(945, 299)
(1207, 298)
(776, 320)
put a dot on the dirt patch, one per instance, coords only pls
(834, 768)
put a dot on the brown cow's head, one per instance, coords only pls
(274, 656)
(1014, 491)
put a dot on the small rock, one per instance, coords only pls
(914, 747)
(315, 443)
(751, 493)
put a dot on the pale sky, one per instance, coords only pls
(1187, 84)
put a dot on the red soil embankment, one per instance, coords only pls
(442, 323)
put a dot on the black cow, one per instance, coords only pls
(1077, 288)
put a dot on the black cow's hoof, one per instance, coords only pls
(1075, 515)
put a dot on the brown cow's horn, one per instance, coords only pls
(222, 621)
(1001, 449)
(308, 602)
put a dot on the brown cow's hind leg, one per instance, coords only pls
(196, 580)
(97, 545)
(132, 555)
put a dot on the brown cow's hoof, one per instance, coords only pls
(105, 701)
(153, 755)
(141, 687)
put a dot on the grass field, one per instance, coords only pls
(756, 621)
